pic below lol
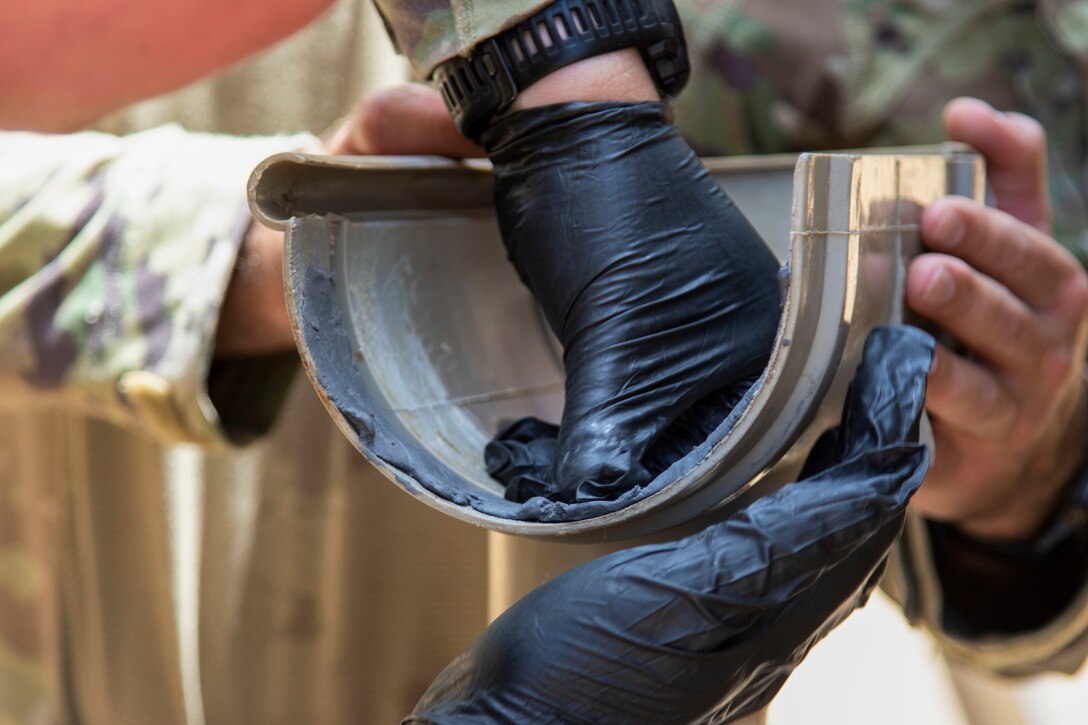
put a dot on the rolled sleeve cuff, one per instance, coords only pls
(1058, 645)
(198, 233)
(429, 32)
(117, 263)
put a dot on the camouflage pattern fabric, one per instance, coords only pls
(769, 78)
(116, 256)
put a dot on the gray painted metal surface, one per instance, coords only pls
(428, 341)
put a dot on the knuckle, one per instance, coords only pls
(1019, 333)
(1012, 247)
(994, 407)
(1076, 292)
(1019, 255)
(372, 105)
(939, 393)
(369, 115)
(1057, 366)
(376, 111)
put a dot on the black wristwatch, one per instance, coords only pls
(482, 85)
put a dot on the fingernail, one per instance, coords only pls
(948, 229)
(940, 289)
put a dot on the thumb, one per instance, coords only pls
(409, 119)
(1014, 146)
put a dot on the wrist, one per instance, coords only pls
(487, 81)
(1065, 519)
(620, 76)
(253, 319)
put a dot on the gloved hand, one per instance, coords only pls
(663, 296)
(708, 628)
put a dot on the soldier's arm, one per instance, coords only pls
(70, 63)
(115, 256)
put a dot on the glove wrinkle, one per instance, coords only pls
(664, 298)
(706, 629)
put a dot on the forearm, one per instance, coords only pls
(66, 64)
(253, 319)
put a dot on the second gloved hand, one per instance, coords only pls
(665, 299)
(706, 629)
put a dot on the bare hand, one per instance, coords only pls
(1008, 414)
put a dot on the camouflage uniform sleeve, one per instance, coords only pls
(115, 255)
(1059, 645)
(428, 32)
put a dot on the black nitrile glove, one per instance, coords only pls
(663, 296)
(708, 628)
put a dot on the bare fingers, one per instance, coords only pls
(1015, 149)
(969, 397)
(1003, 410)
(980, 313)
(1031, 265)
(406, 119)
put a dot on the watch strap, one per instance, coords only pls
(484, 84)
